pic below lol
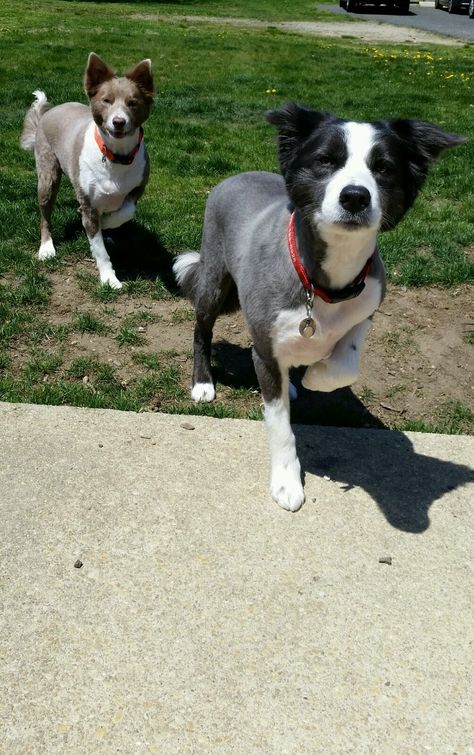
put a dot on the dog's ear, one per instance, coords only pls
(425, 138)
(422, 142)
(97, 71)
(142, 75)
(295, 124)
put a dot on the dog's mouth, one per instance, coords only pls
(356, 221)
(118, 133)
(353, 224)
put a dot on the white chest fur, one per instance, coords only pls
(107, 183)
(333, 321)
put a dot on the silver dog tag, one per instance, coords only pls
(307, 327)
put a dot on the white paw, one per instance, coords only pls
(46, 250)
(321, 377)
(203, 392)
(293, 393)
(110, 279)
(286, 487)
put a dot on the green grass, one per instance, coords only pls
(367, 394)
(132, 326)
(86, 322)
(90, 284)
(148, 360)
(213, 86)
(453, 418)
(42, 365)
(283, 10)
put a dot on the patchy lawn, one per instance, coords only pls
(63, 339)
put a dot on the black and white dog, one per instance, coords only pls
(301, 252)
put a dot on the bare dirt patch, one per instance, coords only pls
(418, 354)
(365, 31)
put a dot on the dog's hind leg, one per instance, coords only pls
(286, 487)
(212, 291)
(49, 177)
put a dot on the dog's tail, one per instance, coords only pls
(186, 271)
(32, 118)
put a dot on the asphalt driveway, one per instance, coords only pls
(457, 25)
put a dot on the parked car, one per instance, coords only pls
(452, 6)
(401, 6)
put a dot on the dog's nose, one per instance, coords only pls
(118, 123)
(354, 198)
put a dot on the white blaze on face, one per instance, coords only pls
(359, 138)
(121, 112)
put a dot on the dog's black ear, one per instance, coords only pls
(422, 143)
(295, 124)
(425, 138)
(97, 71)
(142, 75)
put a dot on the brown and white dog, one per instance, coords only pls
(99, 148)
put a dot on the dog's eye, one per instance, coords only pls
(383, 166)
(107, 100)
(132, 103)
(326, 160)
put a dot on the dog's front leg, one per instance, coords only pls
(126, 211)
(286, 487)
(92, 226)
(119, 217)
(342, 367)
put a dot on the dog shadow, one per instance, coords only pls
(135, 252)
(402, 482)
(233, 367)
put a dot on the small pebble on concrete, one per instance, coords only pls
(78, 564)
(385, 560)
(187, 426)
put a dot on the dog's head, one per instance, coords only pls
(350, 175)
(119, 104)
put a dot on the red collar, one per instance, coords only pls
(107, 154)
(329, 295)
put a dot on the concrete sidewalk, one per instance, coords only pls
(207, 620)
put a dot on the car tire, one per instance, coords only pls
(342, 3)
(471, 9)
(351, 6)
(451, 7)
(437, 5)
(404, 7)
